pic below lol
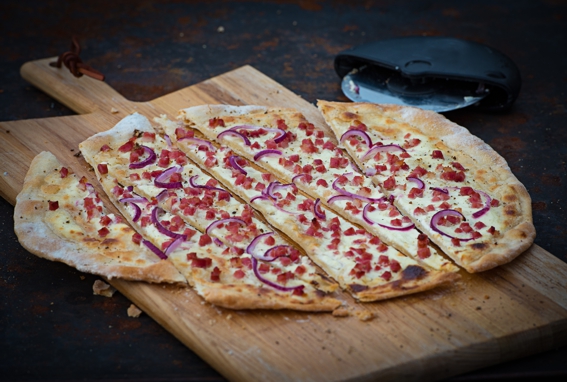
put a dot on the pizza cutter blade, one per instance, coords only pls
(433, 73)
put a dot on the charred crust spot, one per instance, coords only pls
(510, 197)
(479, 246)
(356, 288)
(348, 115)
(510, 212)
(413, 272)
(109, 241)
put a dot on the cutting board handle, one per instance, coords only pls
(81, 94)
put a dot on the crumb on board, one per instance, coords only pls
(364, 315)
(134, 311)
(341, 312)
(103, 289)
(114, 110)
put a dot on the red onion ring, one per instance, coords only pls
(268, 152)
(146, 162)
(173, 246)
(233, 162)
(443, 190)
(357, 133)
(268, 282)
(379, 148)
(251, 249)
(235, 133)
(274, 187)
(161, 228)
(367, 219)
(417, 181)
(317, 210)
(132, 203)
(159, 180)
(161, 196)
(486, 207)
(296, 177)
(278, 139)
(264, 197)
(195, 185)
(214, 224)
(336, 198)
(168, 140)
(197, 141)
(155, 249)
(435, 219)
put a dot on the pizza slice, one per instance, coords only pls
(226, 264)
(362, 264)
(452, 185)
(295, 151)
(60, 217)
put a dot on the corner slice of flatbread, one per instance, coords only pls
(66, 234)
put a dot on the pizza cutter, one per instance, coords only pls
(433, 73)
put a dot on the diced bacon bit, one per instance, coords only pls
(380, 168)
(423, 253)
(126, 147)
(419, 211)
(411, 143)
(137, 238)
(105, 220)
(322, 169)
(205, 240)
(64, 172)
(307, 146)
(494, 203)
(53, 205)
(452, 175)
(148, 136)
(300, 270)
(103, 232)
(352, 208)
(281, 124)
(439, 196)
(328, 145)
(146, 175)
(405, 155)
(298, 291)
(215, 122)
(334, 243)
(358, 126)
(144, 221)
(444, 206)
(134, 177)
(492, 231)
(181, 132)
(105, 148)
(189, 233)
(390, 183)
(430, 208)
(437, 154)
(395, 266)
(396, 222)
(418, 172)
(349, 232)
(164, 159)
(102, 168)
(260, 186)
(386, 276)
(458, 166)
(239, 274)
(456, 242)
(255, 146)
(322, 182)
(415, 193)
(479, 225)
(284, 277)
(215, 274)
(200, 263)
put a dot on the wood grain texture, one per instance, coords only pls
(506, 313)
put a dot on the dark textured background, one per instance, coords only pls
(53, 328)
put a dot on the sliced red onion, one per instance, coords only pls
(161, 228)
(162, 195)
(233, 162)
(317, 209)
(168, 140)
(235, 133)
(357, 133)
(155, 249)
(160, 179)
(129, 188)
(268, 152)
(337, 188)
(132, 202)
(486, 207)
(263, 197)
(251, 249)
(271, 283)
(417, 181)
(195, 185)
(137, 199)
(443, 190)
(297, 177)
(275, 186)
(145, 162)
(267, 258)
(174, 245)
(196, 141)
(355, 168)
(367, 219)
(215, 224)
(435, 220)
(336, 198)
(381, 148)
(370, 171)
(218, 242)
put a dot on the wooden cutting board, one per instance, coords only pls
(506, 313)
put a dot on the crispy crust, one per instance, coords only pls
(488, 168)
(39, 236)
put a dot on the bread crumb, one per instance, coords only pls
(103, 289)
(134, 311)
(486, 297)
(364, 315)
(229, 317)
(114, 110)
(220, 29)
(341, 312)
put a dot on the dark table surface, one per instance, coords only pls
(54, 328)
